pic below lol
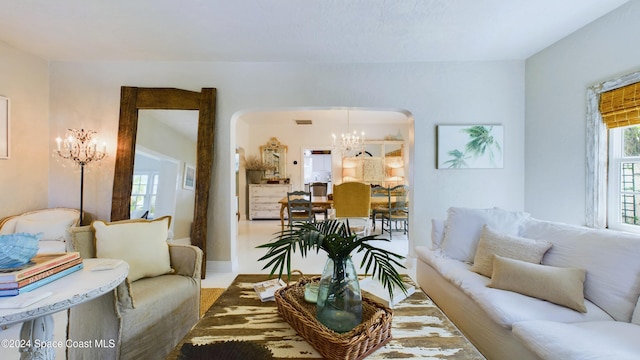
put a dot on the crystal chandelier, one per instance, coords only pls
(350, 144)
(80, 148)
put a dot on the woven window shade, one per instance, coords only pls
(621, 107)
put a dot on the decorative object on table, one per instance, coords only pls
(41, 270)
(470, 146)
(80, 148)
(17, 249)
(228, 350)
(267, 289)
(339, 295)
(373, 332)
(4, 127)
(255, 168)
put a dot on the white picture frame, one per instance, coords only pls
(4, 128)
(189, 177)
(475, 146)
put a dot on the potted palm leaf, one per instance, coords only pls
(339, 303)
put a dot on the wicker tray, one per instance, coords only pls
(371, 334)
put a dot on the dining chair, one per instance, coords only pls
(300, 208)
(352, 201)
(377, 210)
(398, 210)
(319, 189)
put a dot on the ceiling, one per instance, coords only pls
(293, 30)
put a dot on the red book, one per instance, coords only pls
(40, 276)
(39, 263)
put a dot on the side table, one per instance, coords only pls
(36, 337)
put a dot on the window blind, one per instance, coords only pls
(621, 106)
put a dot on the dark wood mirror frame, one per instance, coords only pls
(133, 99)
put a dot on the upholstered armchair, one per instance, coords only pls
(142, 319)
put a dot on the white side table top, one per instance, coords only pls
(68, 291)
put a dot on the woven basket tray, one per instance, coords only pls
(371, 334)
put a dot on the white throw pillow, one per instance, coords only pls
(50, 229)
(514, 247)
(437, 233)
(562, 286)
(141, 243)
(464, 225)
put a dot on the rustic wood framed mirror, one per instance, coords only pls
(133, 99)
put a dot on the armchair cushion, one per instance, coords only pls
(141, 243)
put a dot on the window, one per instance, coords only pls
(144, 192)
(624, 178)
(612, 106)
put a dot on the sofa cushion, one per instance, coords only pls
(514, 247)
(464, 225)
(53, 229)
(502, 306)
(588, 340)
(437, 233)
(141, 243)
(609, 257)
(562, 286)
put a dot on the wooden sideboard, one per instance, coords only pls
(263, 200)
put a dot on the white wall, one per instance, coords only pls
(24, 177)
(435, 93)
(556, 82)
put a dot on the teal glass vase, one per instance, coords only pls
(339, 304)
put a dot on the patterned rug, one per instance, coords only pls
(419, 329)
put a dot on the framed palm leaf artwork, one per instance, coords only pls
(470, 146)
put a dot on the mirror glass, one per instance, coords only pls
(165, 157)
(275, 154)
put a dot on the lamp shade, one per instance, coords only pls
(349, 172)
(397, 172)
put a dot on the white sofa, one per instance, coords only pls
(505, 324)
(53, 223)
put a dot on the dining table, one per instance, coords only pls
(326, 202)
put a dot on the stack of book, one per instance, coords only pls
(41, 270)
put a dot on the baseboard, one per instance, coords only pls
(222, 266)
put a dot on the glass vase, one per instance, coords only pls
(339, 305)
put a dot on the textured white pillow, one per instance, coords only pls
(562, 286)
(437, 233)
(141, 243)
(463, 227)
(514, 247)
(50, 229)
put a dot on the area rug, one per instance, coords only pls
(207, 297)
(419, 329)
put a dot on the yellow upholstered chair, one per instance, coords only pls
(352, 201)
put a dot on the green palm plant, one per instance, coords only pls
(336, 239)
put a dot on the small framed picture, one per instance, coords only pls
(4, 127)
(189, 181)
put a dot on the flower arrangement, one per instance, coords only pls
(253, 162)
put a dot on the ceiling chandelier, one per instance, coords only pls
(350, 143)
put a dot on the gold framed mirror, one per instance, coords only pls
(133, 99)
(275, 154)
